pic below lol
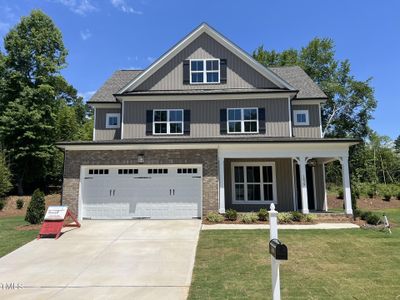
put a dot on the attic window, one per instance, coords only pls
(112, 120)
(204, 71)
(301, 117)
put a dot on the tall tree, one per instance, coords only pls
(397, 144)
(33, 92)
(350, 101)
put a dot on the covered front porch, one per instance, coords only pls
(290, 175)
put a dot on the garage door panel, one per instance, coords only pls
(160, 192)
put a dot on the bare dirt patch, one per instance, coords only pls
(10, 208)
(28, 227)
(365, 203)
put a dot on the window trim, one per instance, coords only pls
(254, 164)
(205, 71)
(168, 122)
(242, 121)
(111, 115)
(298, 112)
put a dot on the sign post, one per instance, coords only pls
(273, 234)
(54, 221)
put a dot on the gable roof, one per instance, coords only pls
(298, 78)
(205, 28)
(117, 80)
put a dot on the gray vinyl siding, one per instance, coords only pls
(102, 133)
(239, 74)
(313, 130)
(284, 185)
(205, 115)
(319, 186)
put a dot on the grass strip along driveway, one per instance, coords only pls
(10, 237)
(323, 264)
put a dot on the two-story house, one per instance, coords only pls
(204, 128)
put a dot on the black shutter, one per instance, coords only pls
(222, 119)
(186, 122)
(222, 66)
(261, 120)
(149, 122)
(186, 72)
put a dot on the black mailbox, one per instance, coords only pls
(278, 250)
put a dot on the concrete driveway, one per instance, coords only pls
(132, 259)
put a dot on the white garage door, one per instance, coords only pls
(158, 192)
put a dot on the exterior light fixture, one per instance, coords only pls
(140, 158)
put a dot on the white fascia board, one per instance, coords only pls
(309, 102)
(105, 105)
(237, 150)
(186, 97)
(204, 28)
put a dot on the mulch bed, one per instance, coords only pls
(10, 209)
(365, 203)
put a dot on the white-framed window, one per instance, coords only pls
(301, 117)
(204, 71)
(113, 120)
(253, 183)
(242, 120)
(168, 121)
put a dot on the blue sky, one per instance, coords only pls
(105, 35)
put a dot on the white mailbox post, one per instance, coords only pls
(278, 252)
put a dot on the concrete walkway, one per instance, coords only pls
(132, 259)
(281, 226)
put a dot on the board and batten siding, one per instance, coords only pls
(239, 73)
(205, 115)
(313, 130)
(102, 133)
(319, 186)
(284, 185)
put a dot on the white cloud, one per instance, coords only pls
(125, 7)
(85, 34)
(80, 7)
(86, 95)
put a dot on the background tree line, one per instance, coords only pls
(38, 107)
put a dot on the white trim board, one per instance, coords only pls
(205, 28)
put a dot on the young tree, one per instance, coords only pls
(36, 209)
(32, 93)
(350, 101)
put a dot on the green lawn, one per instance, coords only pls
(337, 264)
(10, 238)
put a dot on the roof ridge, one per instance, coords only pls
(130, 70)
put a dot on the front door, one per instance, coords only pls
(310, 187)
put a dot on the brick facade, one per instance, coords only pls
(75, 159)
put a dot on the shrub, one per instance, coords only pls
(297, 216)
(371, 192)
(263, 214)
(373, 219)
(356, 213)
(398, 195)
(2, 203)
(249, 218)
(20, 203)
(36, 209)
(231, 214)
(284, 217)
(387, 195)
(340, 194)
(215, 217)
(310, 218)
(5, 177)
(365, 215)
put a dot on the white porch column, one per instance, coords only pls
(344, 160)
(325, 205)
(303, 183)
(221, 178)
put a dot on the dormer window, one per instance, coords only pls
(204, 71)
